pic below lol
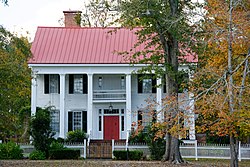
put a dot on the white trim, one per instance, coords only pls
(90, 105)
(62, 106)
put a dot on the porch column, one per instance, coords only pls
(62, 106)
(160, 115)
(33, 94)
(191, 117)
(128, 101)
(90, 105)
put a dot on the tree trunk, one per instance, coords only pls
(233, 141)
(234, 150)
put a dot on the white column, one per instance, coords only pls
(128, 102)
(191, 117)
(62, 106)
(90, 104)
(160, 114)
(33, 94)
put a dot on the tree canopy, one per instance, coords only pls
(14, 81)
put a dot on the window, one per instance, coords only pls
(139, 118)
(55, 120)
(113, 111)
(122, 82)
(100, 82)
(146, 84)
(146, 117)
(78, 84)
(77, 120)
(51, 83)
(122, 118)
(100, 123)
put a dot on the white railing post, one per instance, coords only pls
(113, 148)
(85, 148)
(239, 151)
(196, 150)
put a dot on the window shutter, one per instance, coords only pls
(139, 117)
(139, 83)
(164, 84)
(58, 82)
(71, 83)
(153, 84)
(46, 83)
(85, 84)
(84, 121)
(70, 119)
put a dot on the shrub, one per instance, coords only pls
(76, 136)
(56, 146)
(156, 146)
(41, 130)
(132, 155)
(10, 150)
(64, 154)
(37, 155)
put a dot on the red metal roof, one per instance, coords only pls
(79, 45)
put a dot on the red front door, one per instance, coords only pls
(111, 127)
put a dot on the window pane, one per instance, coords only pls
(77, 120)
(78, 83)
(53, 83)
(147, 86)
(55, 120)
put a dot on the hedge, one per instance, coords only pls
(64, 154)
(132, 155)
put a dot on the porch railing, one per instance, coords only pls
(109, 95)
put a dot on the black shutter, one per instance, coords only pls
(153, 84)
(58, 82)
(84, 121)
(85, 84)
(139, 83)
(139, 117)
(71, 83)
(46, 83)
(70, 119)
(164, 84)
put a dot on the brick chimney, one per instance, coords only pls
(71, 18)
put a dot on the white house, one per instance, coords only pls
(78, 72)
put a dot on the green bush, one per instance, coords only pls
(41, 131)
(132, 155)
(56, 146)
(10, 150)
(64, 154)
(156, 146)
(37, 155)
(76, 136)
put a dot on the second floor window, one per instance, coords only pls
(78, 84)
(51, 83)
(146, 84)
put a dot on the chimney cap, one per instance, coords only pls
(72, 11)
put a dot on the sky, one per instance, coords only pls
(22, 16)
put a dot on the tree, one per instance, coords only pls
(14, 81)
(5, 2)
(165, 25)
(222, 81)
(41, 131)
